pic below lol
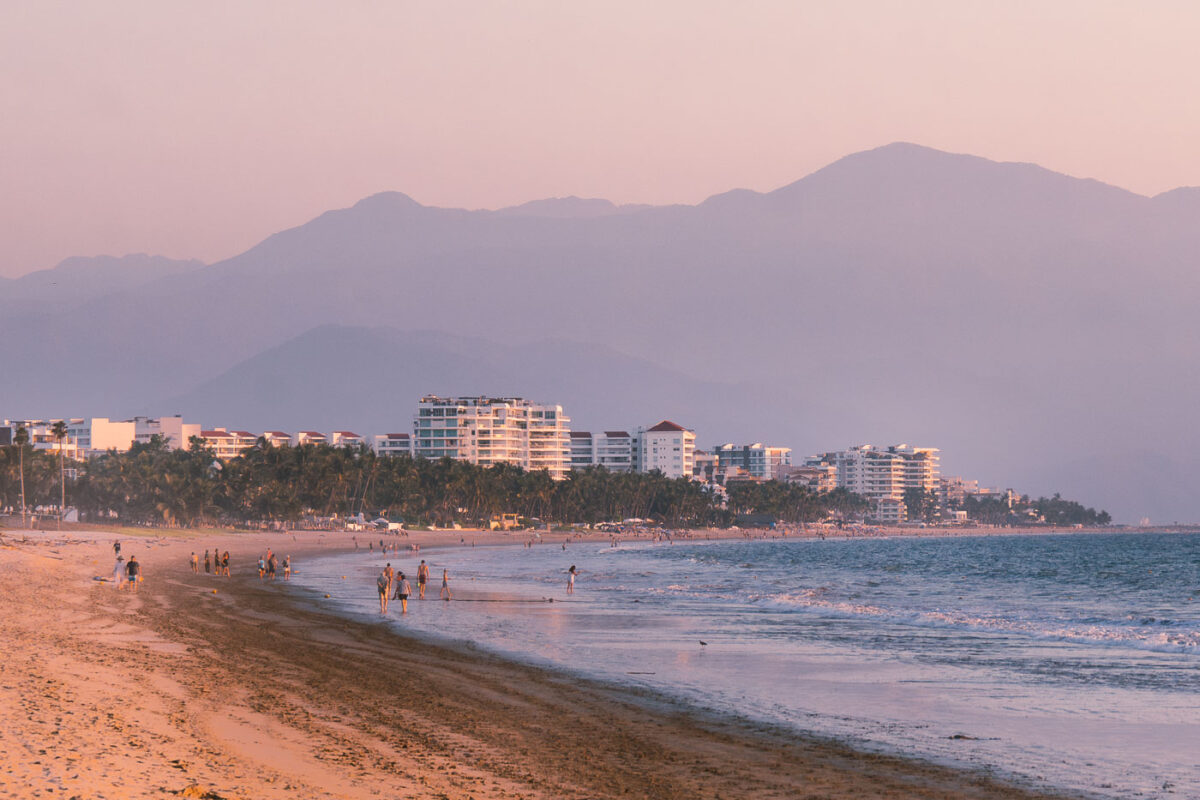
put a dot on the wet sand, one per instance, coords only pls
(255, 691)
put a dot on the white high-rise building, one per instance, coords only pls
(174, 430)
(494, 430)
(86, 437)
(612, 450)
(392, 444)
(666, 447)
(883, 473)
(758, 460)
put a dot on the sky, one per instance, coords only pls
(196, 129)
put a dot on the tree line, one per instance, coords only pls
(152, 484)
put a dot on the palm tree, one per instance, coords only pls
(59, 430)
(20, 440)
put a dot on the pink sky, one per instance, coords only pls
(194, 130)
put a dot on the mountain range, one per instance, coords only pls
(1038, 328)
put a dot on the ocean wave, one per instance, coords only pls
(1162, 636)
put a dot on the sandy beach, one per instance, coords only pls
(255, 691)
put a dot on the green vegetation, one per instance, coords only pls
(154, 485)
(1054, 510)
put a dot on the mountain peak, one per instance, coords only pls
(571, 207)
(387, 200)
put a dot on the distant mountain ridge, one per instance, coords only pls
(1022, 320)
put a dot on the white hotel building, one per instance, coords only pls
(666, 447)
(756, 460)
(883, 475)
(612, 450)
(494, 430)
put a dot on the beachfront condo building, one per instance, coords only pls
(392, 444)
(227, 444)
(887, 472)
(346, 439)
(817, 477)
(612, 450)
(310, 437)
(278, 438)
(667, 447)
(174, 431)
(86, 437)
(494, 430)
(756, 460)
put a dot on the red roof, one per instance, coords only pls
(397, 435)
(666, 425)
(580, 435)
(347, 433)
(311, 433)
(615, 434)
(277, 433)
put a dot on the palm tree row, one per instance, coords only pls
(153, 484)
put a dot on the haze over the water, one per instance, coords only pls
(194, 130)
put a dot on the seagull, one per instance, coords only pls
(704, 643)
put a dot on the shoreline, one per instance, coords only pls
(256, 691)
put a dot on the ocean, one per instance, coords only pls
(1068, 661)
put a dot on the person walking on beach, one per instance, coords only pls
(225, 564)
(403, 590)
(571, 573)
(119, 573)
(195, 563)
(382, 583)
(116, 547)
(422, 578)
(133, 571)
(445, 593)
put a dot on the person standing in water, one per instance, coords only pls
(422, 578)
(571, 573)
(403, 590)
(195, 563)
(207, 566)
(287, 568)
(383, 583)
(445, 593)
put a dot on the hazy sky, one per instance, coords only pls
(195, 129)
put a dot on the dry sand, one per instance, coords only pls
(256, 692)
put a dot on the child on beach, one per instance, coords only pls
(571, 573)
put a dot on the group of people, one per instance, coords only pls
(126, 573)
(393, 585)
(268, 566)
(218, 564)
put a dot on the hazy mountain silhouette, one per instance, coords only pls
(76, 280)
(1039, 328)
(370, 378)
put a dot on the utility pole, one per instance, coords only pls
(21, 439)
